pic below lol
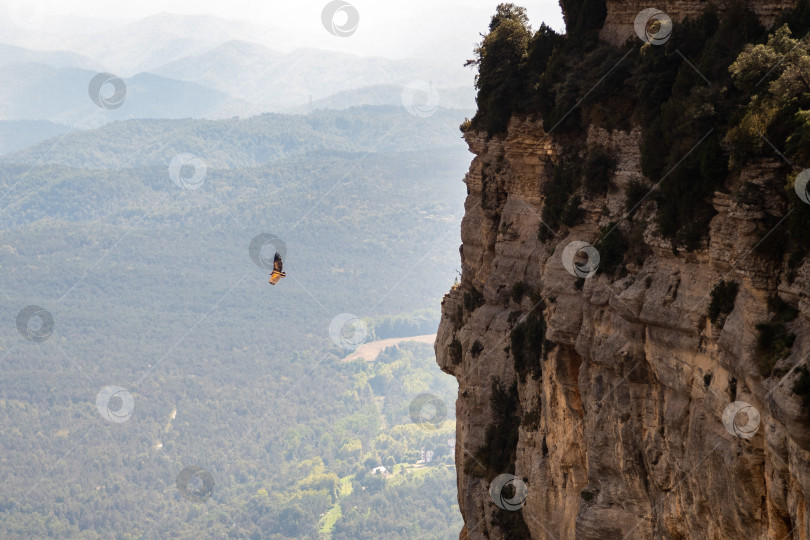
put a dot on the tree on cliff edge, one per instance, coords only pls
(501, 58)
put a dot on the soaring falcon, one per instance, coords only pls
(277, 274)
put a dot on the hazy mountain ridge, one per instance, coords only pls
(10, 54)
(162, 38)
(460, 98)
(223, 67)
(245, 142)
(277, 81)
(33, 91)
(234, 79)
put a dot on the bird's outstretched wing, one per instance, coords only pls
(277, 274)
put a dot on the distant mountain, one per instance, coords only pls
(31, 91)
(16, 135)
(126, 47)
(246, 142)
(200, 66)
(281, 81)
(244, 64)
(462, 98)
(10, 54)
(166, 37)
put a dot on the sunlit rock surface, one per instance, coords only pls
(621, 14)
(622, 436)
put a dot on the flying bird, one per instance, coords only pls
(277, 274)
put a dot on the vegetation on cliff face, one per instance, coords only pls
(501, 59)
(722, 303)
(559, 191)
(697, 101)
(776, 74)
(705, 102)
(774, 339)
(527, 340)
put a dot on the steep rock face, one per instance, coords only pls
(621, 435)
(621, 14)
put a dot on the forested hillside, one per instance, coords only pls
(144, 264)
(248, 142)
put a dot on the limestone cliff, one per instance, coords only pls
(621, 13)
(619, 433)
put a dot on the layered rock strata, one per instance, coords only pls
(621, 435)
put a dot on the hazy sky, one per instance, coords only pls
(382, 23)
(273, 12)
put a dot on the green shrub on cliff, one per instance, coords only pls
(561, 205)
(501, 58)
(473, 299)
(682, 94)
(455, 352)
(723, 296)
(600, 164)
(518, 290)
(527, 339)
(497, 455)
(612, 245)
(777, 75)
(635, 194)
(773, 343)
(774, 340)
(584, 18)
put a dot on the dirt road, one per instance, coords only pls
(369, 351)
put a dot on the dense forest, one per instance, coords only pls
(246, 142)
(152, 290)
